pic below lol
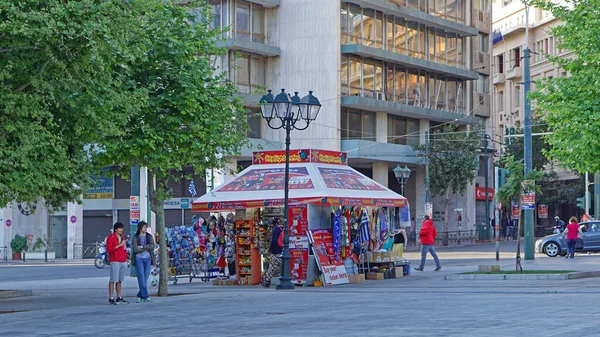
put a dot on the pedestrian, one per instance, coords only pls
(558, 223)
(573, 232)
(505, 223)
(115, 246)
(511, 228)
(275, 255)
(427, 236)
(143, 259)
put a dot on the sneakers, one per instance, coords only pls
(148, 300)
(112, 301)
(418, 269)
(438, 268)
(122, 300)
(139, 300)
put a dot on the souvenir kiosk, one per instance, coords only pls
(328, 202)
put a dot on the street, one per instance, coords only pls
(71, 300)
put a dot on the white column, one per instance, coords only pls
(2, 229)
(380, 173)
(381, 127)
(144, 193)
(7, 232)
(74, 229)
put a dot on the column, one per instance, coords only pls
(74, 229)
(381, 173)
(7, 225)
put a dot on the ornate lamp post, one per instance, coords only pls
(402, 175)
(289, 113)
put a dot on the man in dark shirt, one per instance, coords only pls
(275, 255)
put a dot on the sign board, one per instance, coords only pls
(429, 209)
(185, 203)
(8, 223)
(516, 211)
(331, 266)
(73, 219)
(134, 208)
(299, 258)
(528, 200)
(543, 211)
(103, 188)
(480, 193)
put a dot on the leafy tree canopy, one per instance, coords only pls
(539, 145)
(570, 104)
(511, 191)
(61, 89)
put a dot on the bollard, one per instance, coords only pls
(46, 255)
(23, 256)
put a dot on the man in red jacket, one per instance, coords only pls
(427, 236)
(115, 246)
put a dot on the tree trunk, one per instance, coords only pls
(158, 208)
(446, 215)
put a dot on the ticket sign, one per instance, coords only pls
(332, 268)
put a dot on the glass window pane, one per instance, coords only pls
(413, 40)
(368, 125)
(412, 131)
(431, 44)
(413, 90)
(242, 72)
(389, 32)
(389, 82)
(344, 76)
(344, 17)
(253, 117)
(257, 72)
(379, 80)
(396, 130)
(354, 124)
(258, 24)
(378, 29)
(451, 86)
(355, 71)
(400, 81)
(451, 50)
(440, 8)
(344, 127)
(441, 94)
(215, 11)
(422, 44)
(440, 48)
(368, 27)
(459, 52)
(355, 25)
(368, 78)
(242, 21)
(400, 37)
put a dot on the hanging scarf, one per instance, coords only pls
(383, 228)
(337, 233)
(364, 233)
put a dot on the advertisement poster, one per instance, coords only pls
(134, 209)
(543, 211)
(298, 218)
(103, 188)
(347, 180)
(333, 270)
(269, 179)
(429, 209)
(528, 200)
(299, 258)
(516, 211)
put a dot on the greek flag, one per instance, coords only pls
(365, 233)
(192, 189)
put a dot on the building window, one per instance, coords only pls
(249, 21)
(501, 101)
(402, 130)
(500, 64)
(482, 84)
(517, 96)
(358, 124)
(484, 43)
(253, 116)
(247, 71)
(516, 55)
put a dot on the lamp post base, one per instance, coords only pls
(285, 283)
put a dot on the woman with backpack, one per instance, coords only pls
(143, 258)
(275, 254)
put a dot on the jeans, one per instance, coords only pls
(142, 269)
(571, 247)
(430, 249)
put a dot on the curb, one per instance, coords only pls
(4, 294)
(569, 276)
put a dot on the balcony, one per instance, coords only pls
(254, 47)
(367, 150)
(481, 104)
(498, 78)
(267, 3)
(515, 72)
(481, 62)
(481, 20)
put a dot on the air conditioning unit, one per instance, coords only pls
(380, 95)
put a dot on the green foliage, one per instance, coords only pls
(538, 143)
(19, 244)
(38, 245)
(556, 192)
(570, 105)
(61, 89)
(511, 191)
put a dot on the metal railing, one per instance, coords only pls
(4, 254)
(86, 250)
(450, 238)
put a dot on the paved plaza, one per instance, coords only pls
(424, 304)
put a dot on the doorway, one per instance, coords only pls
(59, 236)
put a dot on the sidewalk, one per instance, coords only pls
(55, 262)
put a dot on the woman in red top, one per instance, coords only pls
(573, 232)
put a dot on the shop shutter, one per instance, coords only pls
(122, 188)
(96, 225)
(172, 217)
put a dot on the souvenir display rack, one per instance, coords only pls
(248, 259)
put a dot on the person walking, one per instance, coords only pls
(115, 246)
(573, 232)
(505, 223)
(427, 236)
(275, 256)
(143, 259)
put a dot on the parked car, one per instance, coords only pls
(553, 245)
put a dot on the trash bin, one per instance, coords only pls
(483, 232)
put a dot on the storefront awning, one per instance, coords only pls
(317, 177)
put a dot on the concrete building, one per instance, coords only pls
(385, 71)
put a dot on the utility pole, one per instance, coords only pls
(587, 194)
(597, 195)
(427, 192)
(496, 210)
(486, 169)
(528, 242)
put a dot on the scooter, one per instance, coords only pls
(102, 259)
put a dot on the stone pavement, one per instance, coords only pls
(423, 304)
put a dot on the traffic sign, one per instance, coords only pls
(73, 219)
(8, 223)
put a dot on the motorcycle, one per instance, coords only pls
(102, 259)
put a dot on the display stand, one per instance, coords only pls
(248, 261)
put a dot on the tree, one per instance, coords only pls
(539, 144)
(570, 104)
(190, 119)
(61, 85)
(512, 189)
(453, 160)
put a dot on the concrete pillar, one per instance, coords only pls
(74, 229)
(144, 202)
(381, 127)
(380, 173)
(3, 229)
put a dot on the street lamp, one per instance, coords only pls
(402, 175)
(284, 111)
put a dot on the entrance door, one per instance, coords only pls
(59, 236)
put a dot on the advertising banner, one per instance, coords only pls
(134, 209)
(103, 188)
(516, 211)
(480, 193)
(299, 258)
(347, 179)
(269, 179)
(298, 218)
(332, 268)
(543, 211)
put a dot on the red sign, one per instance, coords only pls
(301, 156)
(516, 211)
(269, 179)
(298, 219)
(348, 180)
(543, 211)
(330, 265)
(299, 258)
(480, 193)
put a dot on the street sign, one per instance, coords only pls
(8, 223)
(73, 219)
(543, 211)
(429, 209)
(134, 207)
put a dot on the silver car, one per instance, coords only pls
(553, 245)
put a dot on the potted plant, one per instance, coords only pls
(37, 251)
(18, 245)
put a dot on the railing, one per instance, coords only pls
(450, 238)
(4, 253)
(86, 250)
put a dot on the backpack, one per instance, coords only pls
(280, 238)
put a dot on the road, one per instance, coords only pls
(71, 300)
